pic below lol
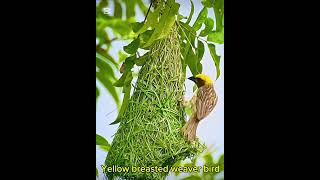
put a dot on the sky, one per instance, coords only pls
(210, 130)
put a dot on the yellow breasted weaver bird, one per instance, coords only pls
(202, 103)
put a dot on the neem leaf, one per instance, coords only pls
(107, 58)
(209, 26)
(105, 69)
(200, 50)
(207, 3)
(136, 26)
(200, 19)
(97, 93)
(122, 56)
(144, 37)
(208, 159)
(132, 47)
(128, 63)
(108, 85)
(180, 17)
(215, 57)
(221, 162)
(101, 141)
(105, 148)
(126, 98)
(167, 20)
(141, 60)
(117, 9)
(97, 173)
(218, 12)
(142, 6)
(192, 62)
(130, 8)
(191, 13)
(216, 37)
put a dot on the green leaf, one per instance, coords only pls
(144, 37)
(167, 20)
(130, 8)
(101, 141)
(177, 164)
(192, 177)
(132, 47)
(141, 60)
(152, 19)
(108, 85)
(105, 69)
(128, 63)
(193, 63)
(200, 50)
(122, 56)
(105, 148)
(120, 81)
(218, 7)
(209, 26)
(180, 17)
(216, 37)
(188, 34)
(215, 58)
(142, 6)
(208, 159)
(136, 26)
(200, 19)
(221, 162)
(118, 26)
(191, 13)
(126, 98)
(106, 58)
(117, 9)
(97, 172)
(97, 93)
(207, 3)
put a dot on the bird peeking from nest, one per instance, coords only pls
(202, 103)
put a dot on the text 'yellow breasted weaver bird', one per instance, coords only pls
(202, 103)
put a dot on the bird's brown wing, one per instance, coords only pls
(206, 101)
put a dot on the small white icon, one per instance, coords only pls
(106, 10)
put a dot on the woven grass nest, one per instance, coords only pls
(149, 134)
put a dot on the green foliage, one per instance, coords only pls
(200, 19)
(101, 141)
(209, 26)
(209, 161)
(152, 19)
(211, 37)
(215, 58)
(216, 37)
(191, 13)
(166, 21)
(132, 47)
(104, 145)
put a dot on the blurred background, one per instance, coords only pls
(210, 130)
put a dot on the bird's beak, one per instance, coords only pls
(193, 79)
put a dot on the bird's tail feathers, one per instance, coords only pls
(189, 130)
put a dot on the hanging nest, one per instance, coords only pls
(149, 134)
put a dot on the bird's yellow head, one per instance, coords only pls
(201, 80)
